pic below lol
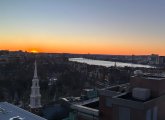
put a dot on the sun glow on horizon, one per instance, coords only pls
(34, 51)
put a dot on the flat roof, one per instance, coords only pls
(12, 112)
(94, 105)
(90, 108)
(129, 96)
(153, 76)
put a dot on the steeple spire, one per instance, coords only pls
(35, 70)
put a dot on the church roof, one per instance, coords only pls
(12, 112)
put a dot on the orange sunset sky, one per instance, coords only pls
(95, 27)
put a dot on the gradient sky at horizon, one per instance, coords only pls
(83, 26)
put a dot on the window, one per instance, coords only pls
(124, 113)
(155, 113)
(108, 102)
(148, 114)
(152, 114)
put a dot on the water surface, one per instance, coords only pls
(106, 63)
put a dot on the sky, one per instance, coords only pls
(83, 26)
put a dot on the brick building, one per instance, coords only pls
(143, 101)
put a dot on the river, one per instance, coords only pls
(106, 63)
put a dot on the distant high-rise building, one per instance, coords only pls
(154, 59)
(35, 97)
(161, 60)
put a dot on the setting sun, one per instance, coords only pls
(34, 51)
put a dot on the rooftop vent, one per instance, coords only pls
(138, 72)
(141, 93)
(16, 118)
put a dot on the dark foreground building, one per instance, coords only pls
(12, 112)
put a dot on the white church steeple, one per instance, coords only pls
(35, 70)
(35, 97)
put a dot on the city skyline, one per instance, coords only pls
(96, 27)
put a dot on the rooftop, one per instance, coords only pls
(91, 109)
(129, 96)
(55, 112)
(115, 90)
(12, 112)
(151, 76)
(79, 101)
(94, 105)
